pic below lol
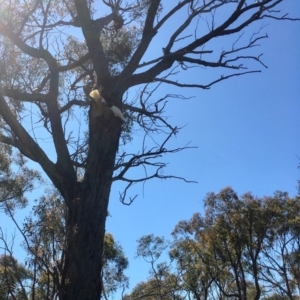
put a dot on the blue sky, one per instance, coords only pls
(246, 130)
(247, 133)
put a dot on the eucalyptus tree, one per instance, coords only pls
(243, 247)
(15, 179)
(13, 278)
(54, 53)
(162, 284)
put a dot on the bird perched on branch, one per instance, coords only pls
(97, 97)
(100, 101)
(117, 112)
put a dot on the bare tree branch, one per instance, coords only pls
(148, 34)
(27, 143)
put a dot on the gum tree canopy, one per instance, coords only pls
(54, 53)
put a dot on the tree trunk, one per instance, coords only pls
(87, 213)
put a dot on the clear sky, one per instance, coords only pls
(247, 133)
(246, 130)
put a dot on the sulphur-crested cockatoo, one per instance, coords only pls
(117, 112)
(96, 96)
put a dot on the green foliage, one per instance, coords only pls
(118, 47)
(114, 266)
(45, 232)
(241, 248)
(162, 283)
(151, 247)
(15, 179)
(153, 289)
(12, 278)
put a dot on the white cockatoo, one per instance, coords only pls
(100, 100)
(97, 96)
(117, 112)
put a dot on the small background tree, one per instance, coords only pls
(236, 250)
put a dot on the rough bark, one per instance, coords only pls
(87, 213)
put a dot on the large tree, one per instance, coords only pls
(54, 53)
